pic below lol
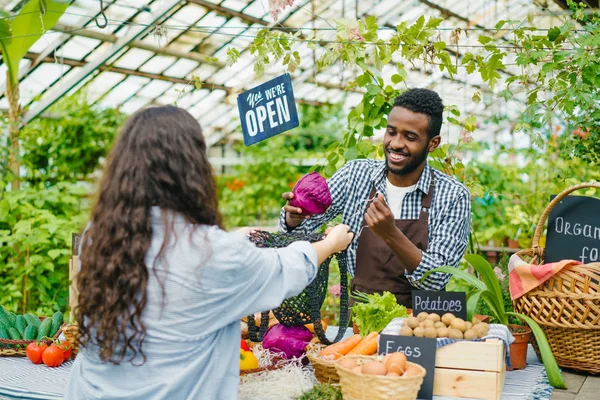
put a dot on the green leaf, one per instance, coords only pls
(27, 28)
(434, 22)
(453, 120)
(486, 274)
(553, 34)
(554, 376)
(460, 274)
(54, 254)
(396, 79)
(476, 97)
(500, 24)
(351, 153)
(439, 46)
(365, 146)
(472, 301)
(373, 89)
(484, 39)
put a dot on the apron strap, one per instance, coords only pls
(426, 202)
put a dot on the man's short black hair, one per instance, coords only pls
(424, 101)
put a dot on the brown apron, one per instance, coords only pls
(377, 267)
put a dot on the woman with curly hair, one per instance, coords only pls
(162, 287)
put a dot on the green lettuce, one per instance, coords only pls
(372, 313)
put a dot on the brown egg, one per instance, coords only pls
(434, 317)
(422, 316)
(395, 362)
(374, 368)
(357, 370)
(392, 374)
(411, 370)
(347, 363)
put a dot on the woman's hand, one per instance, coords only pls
(338, 237)
(246, 230)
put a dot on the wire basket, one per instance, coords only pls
(18, 347)
(566, 306)
(304, 308)
(71, 333)
(356, 386)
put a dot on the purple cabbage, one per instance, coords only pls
(311, 194)
(290, 341)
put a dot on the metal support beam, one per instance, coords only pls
(125, 71)
(136, 31)
(136, 44)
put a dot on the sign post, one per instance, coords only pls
(268, 110)
(574, 230)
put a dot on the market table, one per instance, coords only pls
(20, 379)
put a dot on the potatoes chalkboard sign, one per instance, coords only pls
(440, 303)
(574, 230)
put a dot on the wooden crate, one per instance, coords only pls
(470, 370)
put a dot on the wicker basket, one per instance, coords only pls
(567, 306)
(71, 333)
(371, 387)
(325, 371)
(18, 347)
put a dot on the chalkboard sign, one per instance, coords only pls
(440, 303)
(574, 230)
(268, 110)
(75, 238)
(416, 349)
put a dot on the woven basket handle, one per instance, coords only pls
(553, 203)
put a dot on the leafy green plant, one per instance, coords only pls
(321, 391)
(487, 288)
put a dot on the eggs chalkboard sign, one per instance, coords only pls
(574, 230)
(417, 350)
(440, 303)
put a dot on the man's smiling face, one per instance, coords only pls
(406, 141)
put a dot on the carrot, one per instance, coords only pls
(367, 346)
(340, 348)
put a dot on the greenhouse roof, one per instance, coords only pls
(149, 50)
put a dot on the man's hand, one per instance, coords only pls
(293, 215)
(379, 218)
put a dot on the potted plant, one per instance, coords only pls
(487, 288)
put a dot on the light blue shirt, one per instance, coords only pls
(211, 279)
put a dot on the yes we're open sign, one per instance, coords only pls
(267, 110)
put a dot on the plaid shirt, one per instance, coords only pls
(449, 217)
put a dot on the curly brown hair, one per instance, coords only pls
(160, 159)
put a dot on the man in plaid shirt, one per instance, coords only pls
(408, 217)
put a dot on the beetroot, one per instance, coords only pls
(311, 194)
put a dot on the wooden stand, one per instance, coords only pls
(73, 293)
(470, 369)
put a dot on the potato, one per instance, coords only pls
(455, 334)
(439, 324)
(406, 331)
(430, 333)
(447, 318)
(470, 334)
(443, 332)
(422, 316)
(428, 323)
(475, 321)
(481, 329)
(434, 317)
(458, 323)
(419, 332)
(469, 325)
(411, 322)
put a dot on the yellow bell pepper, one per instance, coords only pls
(247, 360)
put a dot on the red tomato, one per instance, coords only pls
(244, 346)
(66, 349)
(53, 356)
(34, 352)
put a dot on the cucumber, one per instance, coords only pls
(57, 320)
(20, 325)
(30, 332)
(14, 334)
(2, 310)
(12, 318)
(5, 322)
(45, 327)
(32, 320)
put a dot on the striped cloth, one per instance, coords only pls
(449, 216)
(495, 332)
(524, 277)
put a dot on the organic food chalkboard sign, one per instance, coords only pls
(574, 230)
(440, 303)
(416, 349)
(268, 110)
